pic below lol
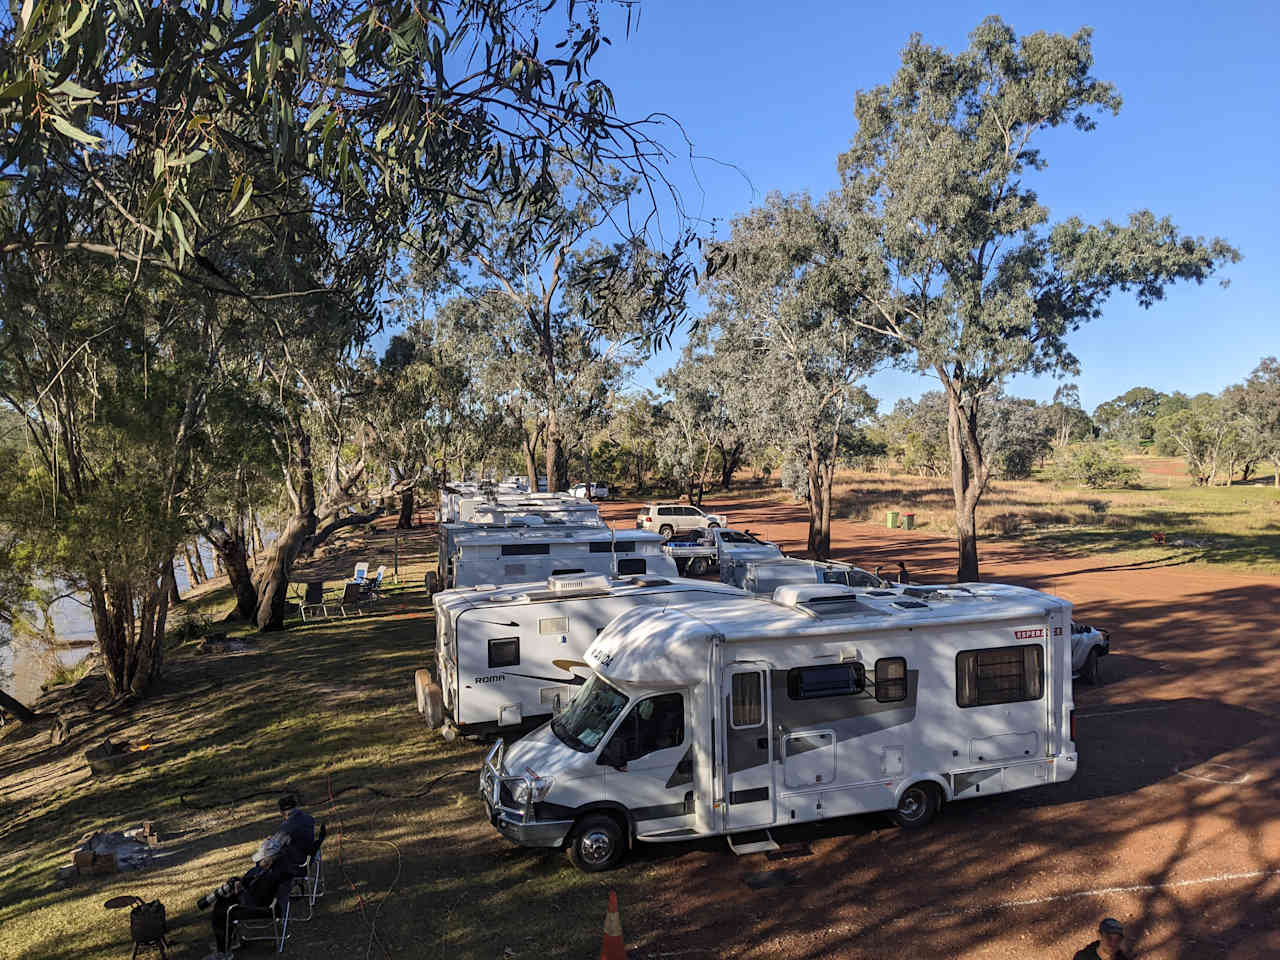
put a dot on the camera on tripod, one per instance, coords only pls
(226, 891)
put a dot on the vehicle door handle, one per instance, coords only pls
(762, 743)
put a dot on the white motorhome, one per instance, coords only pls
(471, 555)
(763, 577)
(505, 655)
(740, 715)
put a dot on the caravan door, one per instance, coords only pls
(746, 746)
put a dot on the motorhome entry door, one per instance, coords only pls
(747, 747)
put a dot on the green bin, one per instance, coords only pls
(908, 521)
(891, 519)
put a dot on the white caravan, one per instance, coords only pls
(505, 655)
(471, 555)
(739, 715)
(765, 576)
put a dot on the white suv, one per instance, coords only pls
(590, 491)
(668, 518)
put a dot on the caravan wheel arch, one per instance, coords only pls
(936, 779)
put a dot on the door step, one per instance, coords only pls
(753, 841)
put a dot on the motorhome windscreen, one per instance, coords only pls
(589, 715)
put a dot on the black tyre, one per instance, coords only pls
(597, 844)
(697, 566)
(666, 530)
(918, 805)
(712, 525)
(1091, 672)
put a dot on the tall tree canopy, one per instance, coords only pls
(979, 284)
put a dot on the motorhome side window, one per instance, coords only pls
(747, 701)
(655, 723)
(504, 652)
(630, 566)
(827, 680)
(1000, 675)
(891, 679)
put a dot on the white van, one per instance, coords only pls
(496, 555)
(740, 715)
(505, 655)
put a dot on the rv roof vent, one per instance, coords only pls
(578, 583)
(795, 594)
(910, 605)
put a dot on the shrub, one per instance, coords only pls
(1094, 466)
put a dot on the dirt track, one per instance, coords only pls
(1171, 823)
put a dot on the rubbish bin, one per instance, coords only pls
(891, 519)
(908, 521)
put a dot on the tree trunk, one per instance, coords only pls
(273, 574)
(191, 573)
(730, 460)
(130, 630)
(968, 478)
(195, 547)
(530, 462)
(232, 550)
(17, 708)
(819, 481)
(174, 596)
(406, 511)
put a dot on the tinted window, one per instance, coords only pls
(747, 701)
(734, 536)
(604, 546)
(504, 652)
(628, 566)
(1001, 675)
(827, 680)
(666, 511)
(891, 679)
(656, 723)
(525, 549)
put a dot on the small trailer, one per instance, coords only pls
(763, 577)
(698, 552)
(471, 554)
(505, 655)
(739, 715)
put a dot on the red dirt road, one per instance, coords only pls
(1172, 823)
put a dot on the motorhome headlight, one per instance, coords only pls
(531, 790)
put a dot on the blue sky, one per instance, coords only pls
(769, 88)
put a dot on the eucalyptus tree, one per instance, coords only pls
(1260, 408)
(1130, 418)
(980, 286)
(786, 298)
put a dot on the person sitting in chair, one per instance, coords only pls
(270, 877)
(300, 827)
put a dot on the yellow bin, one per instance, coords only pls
(891, 519)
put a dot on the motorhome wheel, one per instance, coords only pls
(433, 705)
(917, 806)
(666, 530)
(1091, 672)
(596, 844)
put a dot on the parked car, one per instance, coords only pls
(1088, 646)
(669, 518)
(590, 491)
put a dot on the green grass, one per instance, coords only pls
(321, 707)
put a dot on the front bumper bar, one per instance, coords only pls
(516, 823)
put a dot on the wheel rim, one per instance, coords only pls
(596, 846)
(913, 804)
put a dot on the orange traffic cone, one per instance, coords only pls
(612, 947)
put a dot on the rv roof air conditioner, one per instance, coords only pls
(567, 583)
(798, 594)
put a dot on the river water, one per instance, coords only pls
(23, 669)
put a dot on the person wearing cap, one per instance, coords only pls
(1109, 945)
(270, 877)
(300, 827)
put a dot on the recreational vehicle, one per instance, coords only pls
(471, 555)
(765, 576)
(508, 654)
(741, 715)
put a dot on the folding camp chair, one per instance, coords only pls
(361, 572)
(310, 886)
(352, 594)
(313, 606)
(258, 923)
(372, 589)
